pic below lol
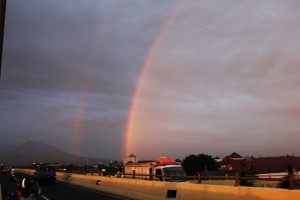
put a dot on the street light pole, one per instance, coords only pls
(2, 23)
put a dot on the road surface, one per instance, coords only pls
(58, 191)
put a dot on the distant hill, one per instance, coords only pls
(32, 151)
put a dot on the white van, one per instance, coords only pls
(169, 173)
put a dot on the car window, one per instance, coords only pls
(175, 171)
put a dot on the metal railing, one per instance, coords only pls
(290, 179)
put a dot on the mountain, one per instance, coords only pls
(32, 151)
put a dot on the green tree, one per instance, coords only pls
(193, 164)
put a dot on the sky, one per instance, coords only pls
(154, 77)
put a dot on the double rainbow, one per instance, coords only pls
(148, 60)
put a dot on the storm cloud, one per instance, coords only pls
(224, 77)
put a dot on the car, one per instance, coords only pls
(3, 170)
(45, 174)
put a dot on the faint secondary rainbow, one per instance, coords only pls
(131, 118)
(78, 125)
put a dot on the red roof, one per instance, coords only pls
(234, 165)
(233, 156)
(238, 165)
(164, 161)
(274, 164)
(264, 164)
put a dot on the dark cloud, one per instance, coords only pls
(229, 79)
(65, 60)
(224, 72)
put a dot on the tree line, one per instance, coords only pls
(193, 164)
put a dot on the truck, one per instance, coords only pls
(160, 169)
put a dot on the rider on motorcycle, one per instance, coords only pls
(27, 190)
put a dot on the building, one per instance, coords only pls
(139, 168)
(238, 166)
(131, 158)
(234, 156)
(263, 165)
(218, 159)
(274, 164)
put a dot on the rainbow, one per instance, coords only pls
(78, 125)
(131, 118)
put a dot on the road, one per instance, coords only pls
(59, 191)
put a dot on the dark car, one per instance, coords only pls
(45, 174)
(4, 170)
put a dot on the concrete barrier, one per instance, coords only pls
(157, 190)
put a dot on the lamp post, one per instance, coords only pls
(2, 23)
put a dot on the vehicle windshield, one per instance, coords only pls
(174, 171)
(47, 169)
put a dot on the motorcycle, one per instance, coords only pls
(27, 190)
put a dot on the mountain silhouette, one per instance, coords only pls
(31, 151)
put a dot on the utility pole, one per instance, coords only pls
(2, 23)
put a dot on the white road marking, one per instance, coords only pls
(45, 197)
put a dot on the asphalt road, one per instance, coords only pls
(58, 191)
